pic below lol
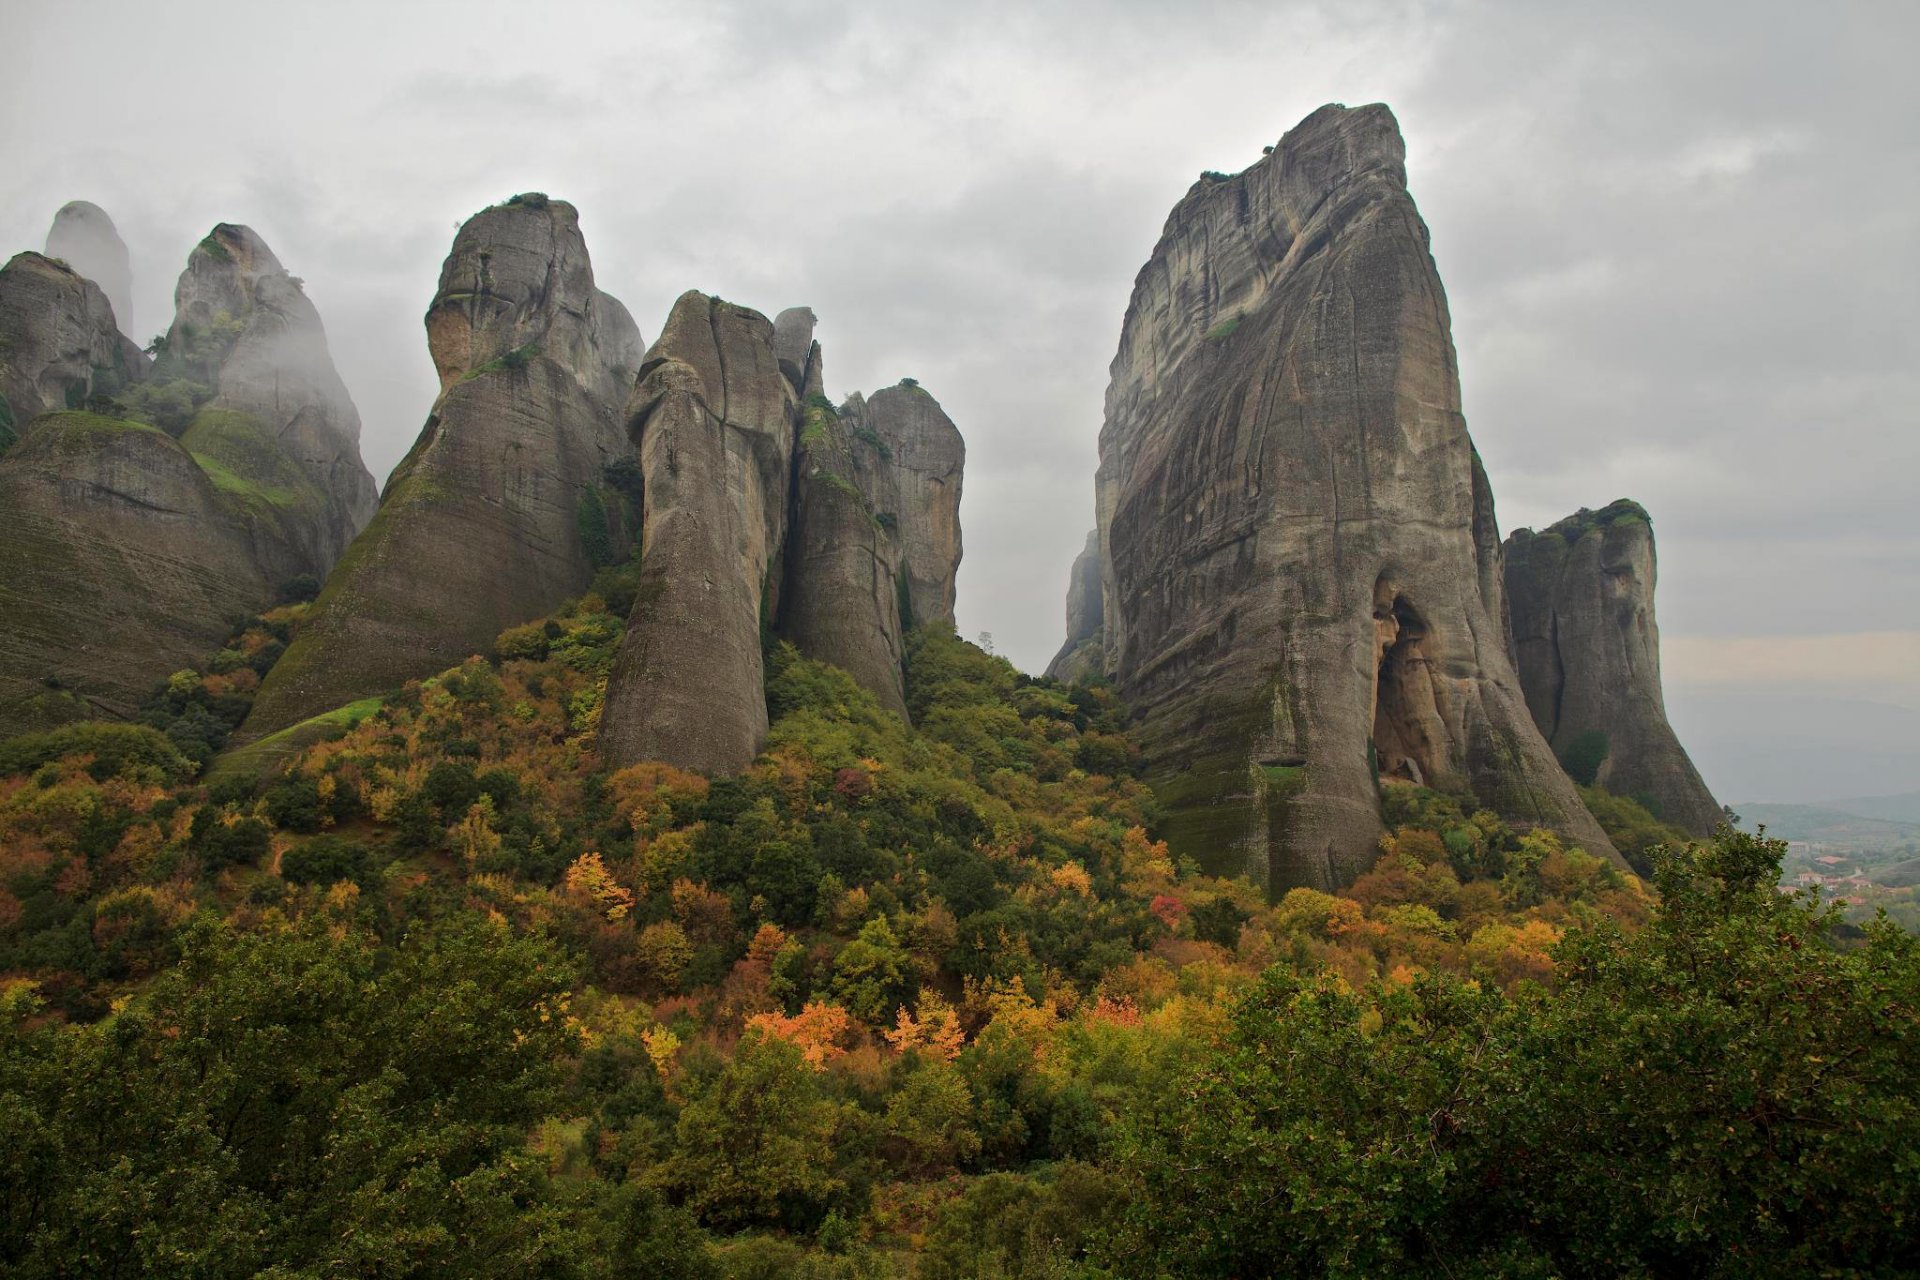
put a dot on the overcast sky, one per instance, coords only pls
(1681, 242)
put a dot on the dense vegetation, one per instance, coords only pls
(440, 996)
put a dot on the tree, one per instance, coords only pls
(752, 1147)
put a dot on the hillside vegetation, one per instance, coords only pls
(426, 991)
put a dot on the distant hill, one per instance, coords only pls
(1898, 808)
(1824, 824)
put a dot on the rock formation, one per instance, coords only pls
(1083, 654)
(844, 570)
(1588, 652)
(149, 506)
(714, 419)
(59, 345)
(926, 459)
(504, 506)
(1301, 568)
(84, 237)
(765, 506)
(121, 561)
(278, 415)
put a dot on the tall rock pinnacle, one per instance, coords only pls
(486, 522)
(278, 414)
(714, 419)
(84, 237)
(1588, 650)
(1301, 568)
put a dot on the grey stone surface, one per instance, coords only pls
(1084, 653)
(926, 460)
(715, 422)
(1580, 594)
(480, 527)
(245, 327)
(1301, 569)
(58, 343)
(843, 562)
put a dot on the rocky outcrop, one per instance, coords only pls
(845, 583)
(120, 561)
(768, 509)
(504, 507)
(1580, 594)
(925, 460)
(84, 237)
(1301, 570)
(59, 346)
(273, 405)
(180, 496)
(714, 419)
(1084, 653)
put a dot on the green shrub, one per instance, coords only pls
(1584, 756)
(115, 748)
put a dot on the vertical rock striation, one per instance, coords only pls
(503, 507)
(844, 567)
(1300, 564)
(770, 512)
(84, 237)
(1588, 652)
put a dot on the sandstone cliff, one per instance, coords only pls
(84, 237)
(120, 561)
(769, 510)
(503, 507)
(1588, 651)
(131, 545)
(714, 419)
(1301, 570)
(275, 407)
(59, 345)
(1084, 653)
(925, 461)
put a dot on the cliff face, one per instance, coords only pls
(503, 508)
(1301, 572)
(121, 561)
(59, 345)
(129, 547)
(243, 328)
(924, 462)
(1083, 654)
(1588, 652)
(84, 237)
(714, 419)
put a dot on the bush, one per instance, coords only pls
(1584, 756)
(116, 749)
(325, 861)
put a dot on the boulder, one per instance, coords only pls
(1580, 594)
(505, 506)
(1301, 578)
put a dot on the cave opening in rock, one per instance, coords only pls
(1408, 733)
